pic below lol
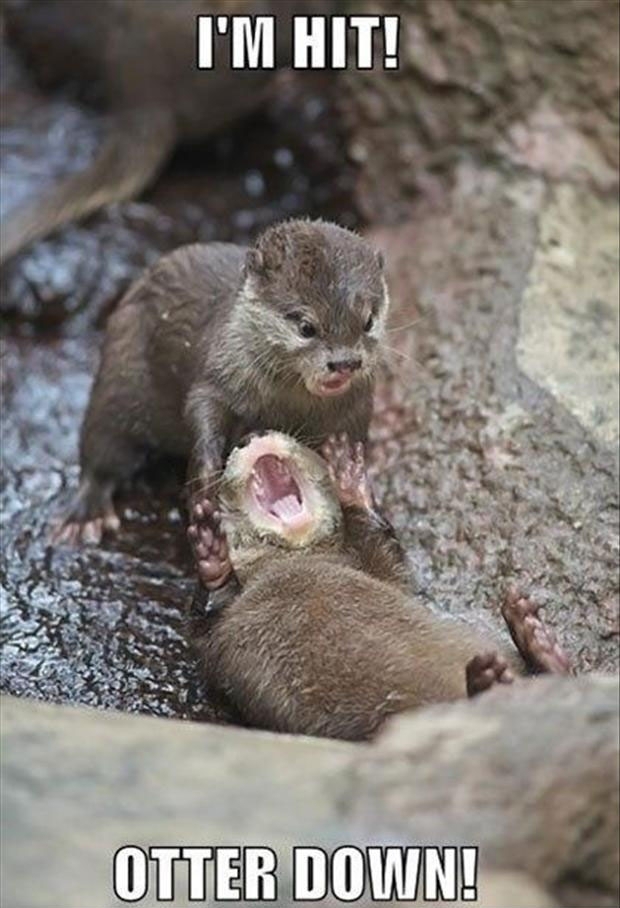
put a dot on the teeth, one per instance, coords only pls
(287, 507)
(287, 504)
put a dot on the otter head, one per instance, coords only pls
(317, 297)
(275, 492)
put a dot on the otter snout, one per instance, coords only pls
(336, 373)
(345, 366)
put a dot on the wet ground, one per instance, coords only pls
(488, 479)
(104, 626)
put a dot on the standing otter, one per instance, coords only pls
(315, 628)
(136, 58)
(215, 340)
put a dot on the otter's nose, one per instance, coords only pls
(344, 365)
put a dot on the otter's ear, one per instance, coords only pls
(379, 259)
(254, 262)
(267, 256)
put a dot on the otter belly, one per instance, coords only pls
(321, 648)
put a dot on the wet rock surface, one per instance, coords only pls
(104, 627)
(488, 478)
(101, 627)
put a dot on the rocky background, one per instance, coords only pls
(487, 170)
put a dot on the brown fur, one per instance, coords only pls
(206, 346)
(316, 646)
(135, 57)
(327, 639)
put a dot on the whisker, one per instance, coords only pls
(397, 352)
(404, 355)
(410, 325)
(196, 484)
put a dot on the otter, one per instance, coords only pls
(137, 60)
(304, 620)
(215, 340)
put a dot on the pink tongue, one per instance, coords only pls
(275, 489)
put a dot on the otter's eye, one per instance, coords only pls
(307, 329)
(369, 323)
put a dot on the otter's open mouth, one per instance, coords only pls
(331, 387)
(277, 492)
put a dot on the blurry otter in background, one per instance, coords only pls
(137, 60)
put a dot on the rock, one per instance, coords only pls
(528, 774)
(487, 477)
(514, 889)
(82, 783)
(569, 313)
(528, 85)
(102, 626)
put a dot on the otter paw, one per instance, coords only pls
(485, 671)
(90, 515)
(347, 468)
(533, 638)
(209, 545)
(84, 532)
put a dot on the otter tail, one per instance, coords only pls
(136, 146)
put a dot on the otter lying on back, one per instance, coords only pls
(304, 619)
